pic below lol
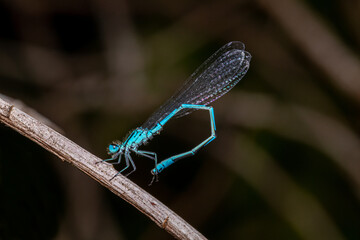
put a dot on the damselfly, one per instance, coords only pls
(215, 77)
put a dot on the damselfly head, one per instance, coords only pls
(113, 148)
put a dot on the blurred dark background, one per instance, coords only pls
(285, 165)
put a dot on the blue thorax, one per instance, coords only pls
(137, 138)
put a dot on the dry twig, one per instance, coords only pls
(85, 161)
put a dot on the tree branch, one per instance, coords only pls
(85, 161)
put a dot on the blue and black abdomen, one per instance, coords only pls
(215, 77)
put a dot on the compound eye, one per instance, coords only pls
(113, 148)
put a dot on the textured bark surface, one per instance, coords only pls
(69, 151)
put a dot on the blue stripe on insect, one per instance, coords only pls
(215, 77)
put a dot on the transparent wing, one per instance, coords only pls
(215, 77)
